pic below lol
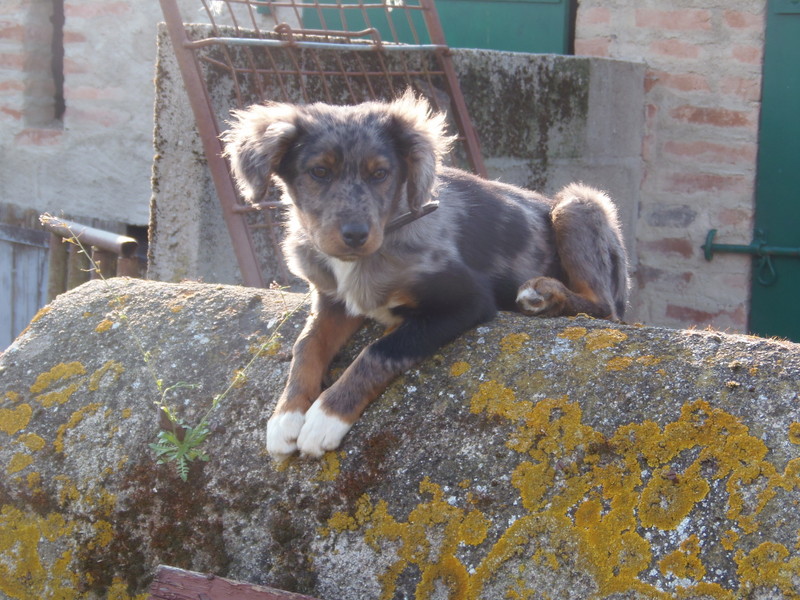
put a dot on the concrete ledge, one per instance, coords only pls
(568, 457)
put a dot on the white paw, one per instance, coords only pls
(530, 301)
(282, 432)
(321, 432)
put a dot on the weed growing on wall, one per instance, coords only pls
(179, 442)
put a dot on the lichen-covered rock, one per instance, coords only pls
(532, 458)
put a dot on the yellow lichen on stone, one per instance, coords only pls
(42, 312)
(684, 562)
(428, 539)
(76, 418)
(669, 497)
(619, 363)
(459, 368)
(119, 591)
(769, 565)
(598, 339)
(18, 462)
(13, 397)
(104, 535)
(16, 419)
(104, 325)
(794, 433)
(32, 441)
(65, 376)
(573, 333)
(113, 367)
(648, 360)
(513, 342)
(496, 399)
(598, 495)
(24, 540)
(329, 466)
(728, 539)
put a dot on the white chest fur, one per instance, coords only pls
(364, 292)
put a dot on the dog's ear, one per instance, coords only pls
(255, 144)
(421, 140)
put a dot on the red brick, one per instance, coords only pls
(690, 183)
(12, 61)
(598, 15)
(13, 86)
(74, 37)
(742, 20)
(39, 137)
(746, 88)
(12, 31)
(750, 55)
(593, 47)
(11, 112)
(684, 82)
(713, 152)
(675, 48)
(719, 117)
(674, 20)
(646, 274)
(734, 217)
(91, 93)
(680, 246)
(93, 117)
(689, 315)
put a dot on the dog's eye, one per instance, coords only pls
(320, 173)
(378, 175)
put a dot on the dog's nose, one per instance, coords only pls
(355, 234)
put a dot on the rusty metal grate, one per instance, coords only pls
(336, 51)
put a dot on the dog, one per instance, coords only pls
(348, 172)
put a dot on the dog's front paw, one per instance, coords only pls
(282, 431)
(321, 431)
(542, 296)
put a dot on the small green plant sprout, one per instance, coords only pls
(179, 442)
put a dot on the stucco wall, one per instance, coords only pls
(703, 99)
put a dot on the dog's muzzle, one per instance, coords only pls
(354, 235)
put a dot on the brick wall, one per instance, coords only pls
(94, 160)
(702, 95)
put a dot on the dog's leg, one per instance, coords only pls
(327, 329)
(419, 336)
(593, 259)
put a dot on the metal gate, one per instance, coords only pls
(343, 59)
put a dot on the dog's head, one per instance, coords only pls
(347, 169)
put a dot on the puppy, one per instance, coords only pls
(348, 173)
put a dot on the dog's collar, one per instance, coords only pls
(410, 217)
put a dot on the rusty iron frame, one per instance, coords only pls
(242, 49)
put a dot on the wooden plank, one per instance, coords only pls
(19, 235)
(6, 293)
(176, 584)
(29, 285)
